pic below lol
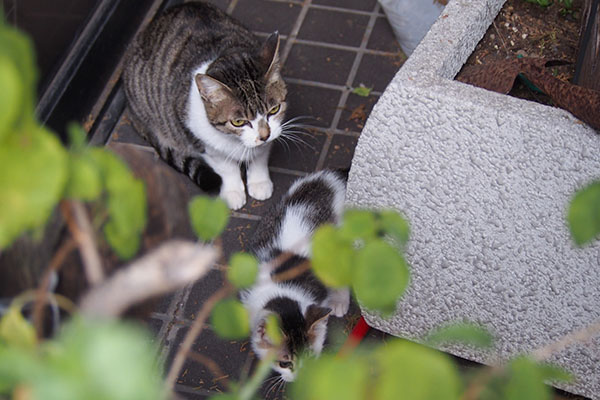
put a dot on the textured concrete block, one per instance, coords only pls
(485, 180)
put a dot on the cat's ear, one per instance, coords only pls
(269, 56)
(263, 340)
(316, 315)
(211, 89)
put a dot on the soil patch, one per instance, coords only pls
(523, 29)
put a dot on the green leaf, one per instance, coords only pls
(332, 257)
(17, 49)
(381, 276)
(103, 360)
(411, 371)
(464, 333)
(331, 377)
(525, 381)
(358, 224)
(243, 268)
(77, 136)
(126, 203)
(394, 225)
(12, 96)
(209, 216)
(273, 330)
(362, 90)
(89, 360)
(84, 181)
(554, 373)
(584, 214)
(230, 319)
(16, 331)
(33, 173)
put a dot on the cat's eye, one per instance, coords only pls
(238, 122)
(286, 364)
(275, 109)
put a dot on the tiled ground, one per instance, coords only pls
(328, 48)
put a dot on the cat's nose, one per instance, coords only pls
(264, 132)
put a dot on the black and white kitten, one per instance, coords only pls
(301, 303)
(208, 96)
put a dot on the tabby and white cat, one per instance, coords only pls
(301, 303)
(208, 96)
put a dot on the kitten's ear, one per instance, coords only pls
(269, 56)
(211, 89)
(316, 314)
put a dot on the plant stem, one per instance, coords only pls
(40, 302)
(83, 233)
(193, 333)
(582, 335)
(263, 369)
(212, 366)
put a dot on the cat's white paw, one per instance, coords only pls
(339, 302)
(260, 190)
(235, 199)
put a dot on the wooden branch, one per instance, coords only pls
(293, 272)
(171, 266)
(41, 298)
(193, 333)
(81, 229)
(580, 336)
(212, 366)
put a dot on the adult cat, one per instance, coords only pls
(300, 301)
(208, 96)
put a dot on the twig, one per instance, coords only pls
(212, 366)
(500, 37)
(171, 266)
(580, 336)
(263, 369)
(83, 233)
(541, 354)
(193, 333)
(292, 272)
(40, 302)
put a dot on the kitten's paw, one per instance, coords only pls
(339, 302)
(235, 199)
(260, 190)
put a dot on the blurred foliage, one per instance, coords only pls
(230, 319)
(243, 269)
(36, 171)
(366, 253)
(462, 333)
(584, 214)
(88, 360)
(209, 216)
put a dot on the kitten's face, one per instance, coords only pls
(305, 336)
(251, 105)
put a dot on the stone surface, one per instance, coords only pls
(485, 180)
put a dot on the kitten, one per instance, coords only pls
(301, 303)
(208, 96)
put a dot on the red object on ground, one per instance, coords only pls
(360, 330)
(356, 336)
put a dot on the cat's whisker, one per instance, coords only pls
(298, 132)
(274, 384)
(304, 126)
(299, 118)
(285, 139)
(296, 139)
